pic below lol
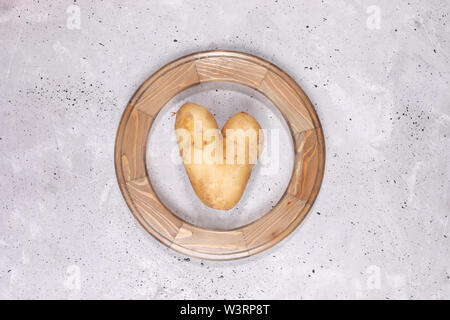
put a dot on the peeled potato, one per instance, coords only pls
(218, 164)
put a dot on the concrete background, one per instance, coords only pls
(377, 71)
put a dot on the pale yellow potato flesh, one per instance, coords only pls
(219, 179)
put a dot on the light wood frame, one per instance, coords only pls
(248, 70)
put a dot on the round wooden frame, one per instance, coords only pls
(201, 67)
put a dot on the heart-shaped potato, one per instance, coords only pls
(218, 164)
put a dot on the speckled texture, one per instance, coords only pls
(378, 77)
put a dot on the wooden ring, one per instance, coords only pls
(237, 67)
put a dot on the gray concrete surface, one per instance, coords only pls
(377, 71)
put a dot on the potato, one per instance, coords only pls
(218, 164)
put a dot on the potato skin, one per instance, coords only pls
(221, 183)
